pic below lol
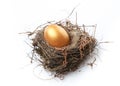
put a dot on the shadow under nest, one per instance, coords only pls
(68, 58)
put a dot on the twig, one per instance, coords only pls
(92, 63)
(73, 10)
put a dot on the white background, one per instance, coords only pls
(25, 15)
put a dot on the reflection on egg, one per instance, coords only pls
(56, 36)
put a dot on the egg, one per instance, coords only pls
(56, 36)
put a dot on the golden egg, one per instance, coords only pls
(56, 36)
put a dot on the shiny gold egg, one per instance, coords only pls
(56, 36)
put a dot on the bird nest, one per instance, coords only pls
(66, 59)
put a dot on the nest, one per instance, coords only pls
(69, 58)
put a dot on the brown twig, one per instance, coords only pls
(92, 63)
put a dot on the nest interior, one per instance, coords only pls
(68, 58)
